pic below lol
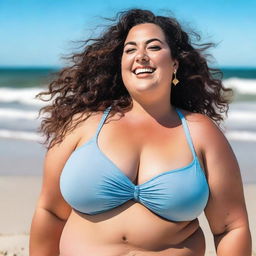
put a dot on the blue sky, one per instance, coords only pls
(39, 32)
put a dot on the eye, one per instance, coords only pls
(130, 50)
(154, 48)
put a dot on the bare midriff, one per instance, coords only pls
(130, 230)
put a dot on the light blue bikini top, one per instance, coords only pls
(91, 183)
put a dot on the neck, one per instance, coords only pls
(159, 111)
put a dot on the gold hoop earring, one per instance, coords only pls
(175, 81)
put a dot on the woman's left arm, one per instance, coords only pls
(226, 210)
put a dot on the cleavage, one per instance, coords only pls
(142, 164)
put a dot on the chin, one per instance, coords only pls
(145, 87)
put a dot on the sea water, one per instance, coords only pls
(19, 107)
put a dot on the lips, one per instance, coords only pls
(143, 70)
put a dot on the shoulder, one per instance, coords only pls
(201, 123)
(206, 132)
(80, 126)
(84, 120)
(84, 126)
(197, 118)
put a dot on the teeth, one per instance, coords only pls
(143, 70)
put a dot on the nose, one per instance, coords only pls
(142, 57)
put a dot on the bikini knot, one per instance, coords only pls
(136, 193)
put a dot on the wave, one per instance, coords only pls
(27, 95)
(17, 114)
(10, 113)
(241, 136)
(33, 136)
(22, 95)
(239, 115)
(242, 86)
(21, 135)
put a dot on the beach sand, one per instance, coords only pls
(19, 191)
(18, 195)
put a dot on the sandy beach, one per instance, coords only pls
(20, 182)
(17, 211)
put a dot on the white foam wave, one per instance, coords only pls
(21, 95)
(32, 136)
(21, 135)
(241, 135)
(239, 115)
(242, 86)
(9, 113)
(27, 95)
(18, 114)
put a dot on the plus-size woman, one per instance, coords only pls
(135, 153)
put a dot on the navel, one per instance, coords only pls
(124, 238)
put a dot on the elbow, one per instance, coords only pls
(239, 239)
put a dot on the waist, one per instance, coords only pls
(130, 225)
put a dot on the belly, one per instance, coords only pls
(128, 230)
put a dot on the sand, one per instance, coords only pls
(18, 196)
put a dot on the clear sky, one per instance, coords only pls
(39, 32)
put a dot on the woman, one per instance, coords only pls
(134, 154)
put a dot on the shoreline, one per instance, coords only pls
(18, 209)
(25, 158)
(20, 183)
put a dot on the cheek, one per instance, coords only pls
(122, 63)
(166, 58)
(125, 62)
(125, 67)
(166, 63)
(166, 67)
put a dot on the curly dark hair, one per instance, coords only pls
(93, 81)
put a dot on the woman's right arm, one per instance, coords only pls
(52, 211)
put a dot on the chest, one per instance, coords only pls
(144, 151)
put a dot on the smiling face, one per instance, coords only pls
(147, 65)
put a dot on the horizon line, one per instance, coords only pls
(60, 67)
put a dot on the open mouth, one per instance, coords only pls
(146, 70)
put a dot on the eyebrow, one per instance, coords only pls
(147, 42)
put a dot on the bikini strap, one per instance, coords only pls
(103, 118)
(186, 129)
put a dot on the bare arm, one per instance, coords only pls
(226, 210)
(52, 211)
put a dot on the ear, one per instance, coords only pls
(176, 64)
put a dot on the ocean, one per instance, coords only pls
(19, 123)
(19, 108)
